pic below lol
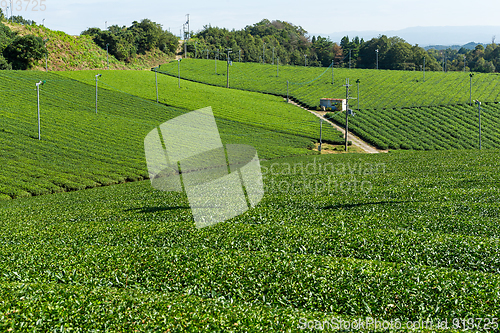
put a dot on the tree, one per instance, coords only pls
(21, 20)
(4, 64)
(6, 37)
(368, 54)
(24, 51)
(124, 43)
(398, 55)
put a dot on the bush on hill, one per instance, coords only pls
(24, 50)
(126, 42)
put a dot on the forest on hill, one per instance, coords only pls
(126, 42)
(23, 48)
(266, 41)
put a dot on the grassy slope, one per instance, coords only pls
(81, 149)
(442, 119)
(423, 243)
(378, 88)
(262, 111)
(80, 52)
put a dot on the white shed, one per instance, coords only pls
(337, 104)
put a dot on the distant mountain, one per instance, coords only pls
(468, 46)
(425, 36)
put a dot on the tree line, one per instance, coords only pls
(21, 52)
(126, 42)
(266, 41)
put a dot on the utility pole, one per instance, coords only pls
(96, 77)
(207, 53)
(424, 69)
(332, 71)
(358, 81)
(156, 79)
(186, 35)
(320, 133)
(347, 85)
(273, 55)
(287, 84)
(227, 71)
(185, 42)
(470, 89)
(215, 57)
(377, 56)
(179, 71)
(479, 113)
(107, 54)
(38, 104)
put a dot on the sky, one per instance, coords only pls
(317, 17)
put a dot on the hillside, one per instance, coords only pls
(397, 109)
(68, 52)
(379, 88)
(81, 148)
(419, 243)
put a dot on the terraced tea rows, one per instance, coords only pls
(418, 241)
(388, 118)
(449, 127)
(263, 112)
(81, 149)
(378, 88)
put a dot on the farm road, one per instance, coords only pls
(355, 140)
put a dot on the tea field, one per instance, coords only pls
(265, 113)
(378, 89)
(397, 109)
(80, 148)
(401, 236)
(427, 128)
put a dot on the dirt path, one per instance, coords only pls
(351, 137)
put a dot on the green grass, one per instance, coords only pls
(81, 149)
(420, 240)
